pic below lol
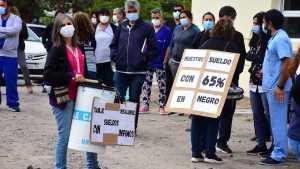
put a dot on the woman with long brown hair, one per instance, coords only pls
(204, 130)
(64, 69)
(86, 37)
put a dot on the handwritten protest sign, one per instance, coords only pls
(202, 82)
(112, 124)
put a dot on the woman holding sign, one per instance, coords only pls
(204, 130)
(65, 67)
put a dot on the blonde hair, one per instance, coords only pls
(57, 38)
(83, 25)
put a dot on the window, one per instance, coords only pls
(291, 11)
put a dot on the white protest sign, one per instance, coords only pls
(193, 58)
(202, 82)
(113, 124)
(182, 99)
(213, 81)
(220, 61)
(207, 103)
(188, 78)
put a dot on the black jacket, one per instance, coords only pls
(47, 37)
(200, 39)
(238, 39)
(58, 71)
(127, 45)
(23, 36)
(220, 45)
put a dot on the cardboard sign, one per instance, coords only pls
(202, 82)
(112, 124)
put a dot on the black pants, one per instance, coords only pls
(169, 81)
(225, 121)
(105, 73)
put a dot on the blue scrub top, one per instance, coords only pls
(279, 47)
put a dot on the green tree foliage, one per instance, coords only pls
(34, 8)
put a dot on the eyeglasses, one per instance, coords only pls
(208, 20)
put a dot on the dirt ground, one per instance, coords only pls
(28, 138)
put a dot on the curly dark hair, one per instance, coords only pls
(223, 29)
(84, 27)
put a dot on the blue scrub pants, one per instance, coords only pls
(278, 119)
(9, 67)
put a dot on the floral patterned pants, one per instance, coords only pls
(161, 80)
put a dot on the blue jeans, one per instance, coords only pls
(295, 146)
(9, 66)
(135, 83)
(64, 120)
(278, 119)
(204, 133)
(225, 121)
(259, 105)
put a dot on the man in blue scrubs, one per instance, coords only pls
(277, 84)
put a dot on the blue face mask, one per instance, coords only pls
(133, 16)
(255, 29)
(2, 10)
(184, 21)
(208, 25)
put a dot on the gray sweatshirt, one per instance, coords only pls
(9, 36)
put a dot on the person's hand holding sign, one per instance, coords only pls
(79, 78)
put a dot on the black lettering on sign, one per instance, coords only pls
(110, 122)
(126, 133)
(209, 100)
(213, 81)
(187, 78)
(96, 129)
(98, 110)
(192, 58)
(127, 112)
(220, 61)
(180, 98)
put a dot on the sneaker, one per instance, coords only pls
(214, 159)
(144, 110)
(223, 148)
(257, 150)
(269, 161)
(197, 159)
(14, 109)
(267, 153)
(162, 111)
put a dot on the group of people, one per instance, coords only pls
(86, 46)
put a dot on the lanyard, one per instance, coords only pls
(76, 56)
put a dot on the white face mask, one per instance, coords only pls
(67, 31)
(156, 22)
(115, 19)
(176, 14)
(104, 19)
(94, 20)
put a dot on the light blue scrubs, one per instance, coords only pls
(279, 47)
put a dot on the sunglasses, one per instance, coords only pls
(177, 10)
